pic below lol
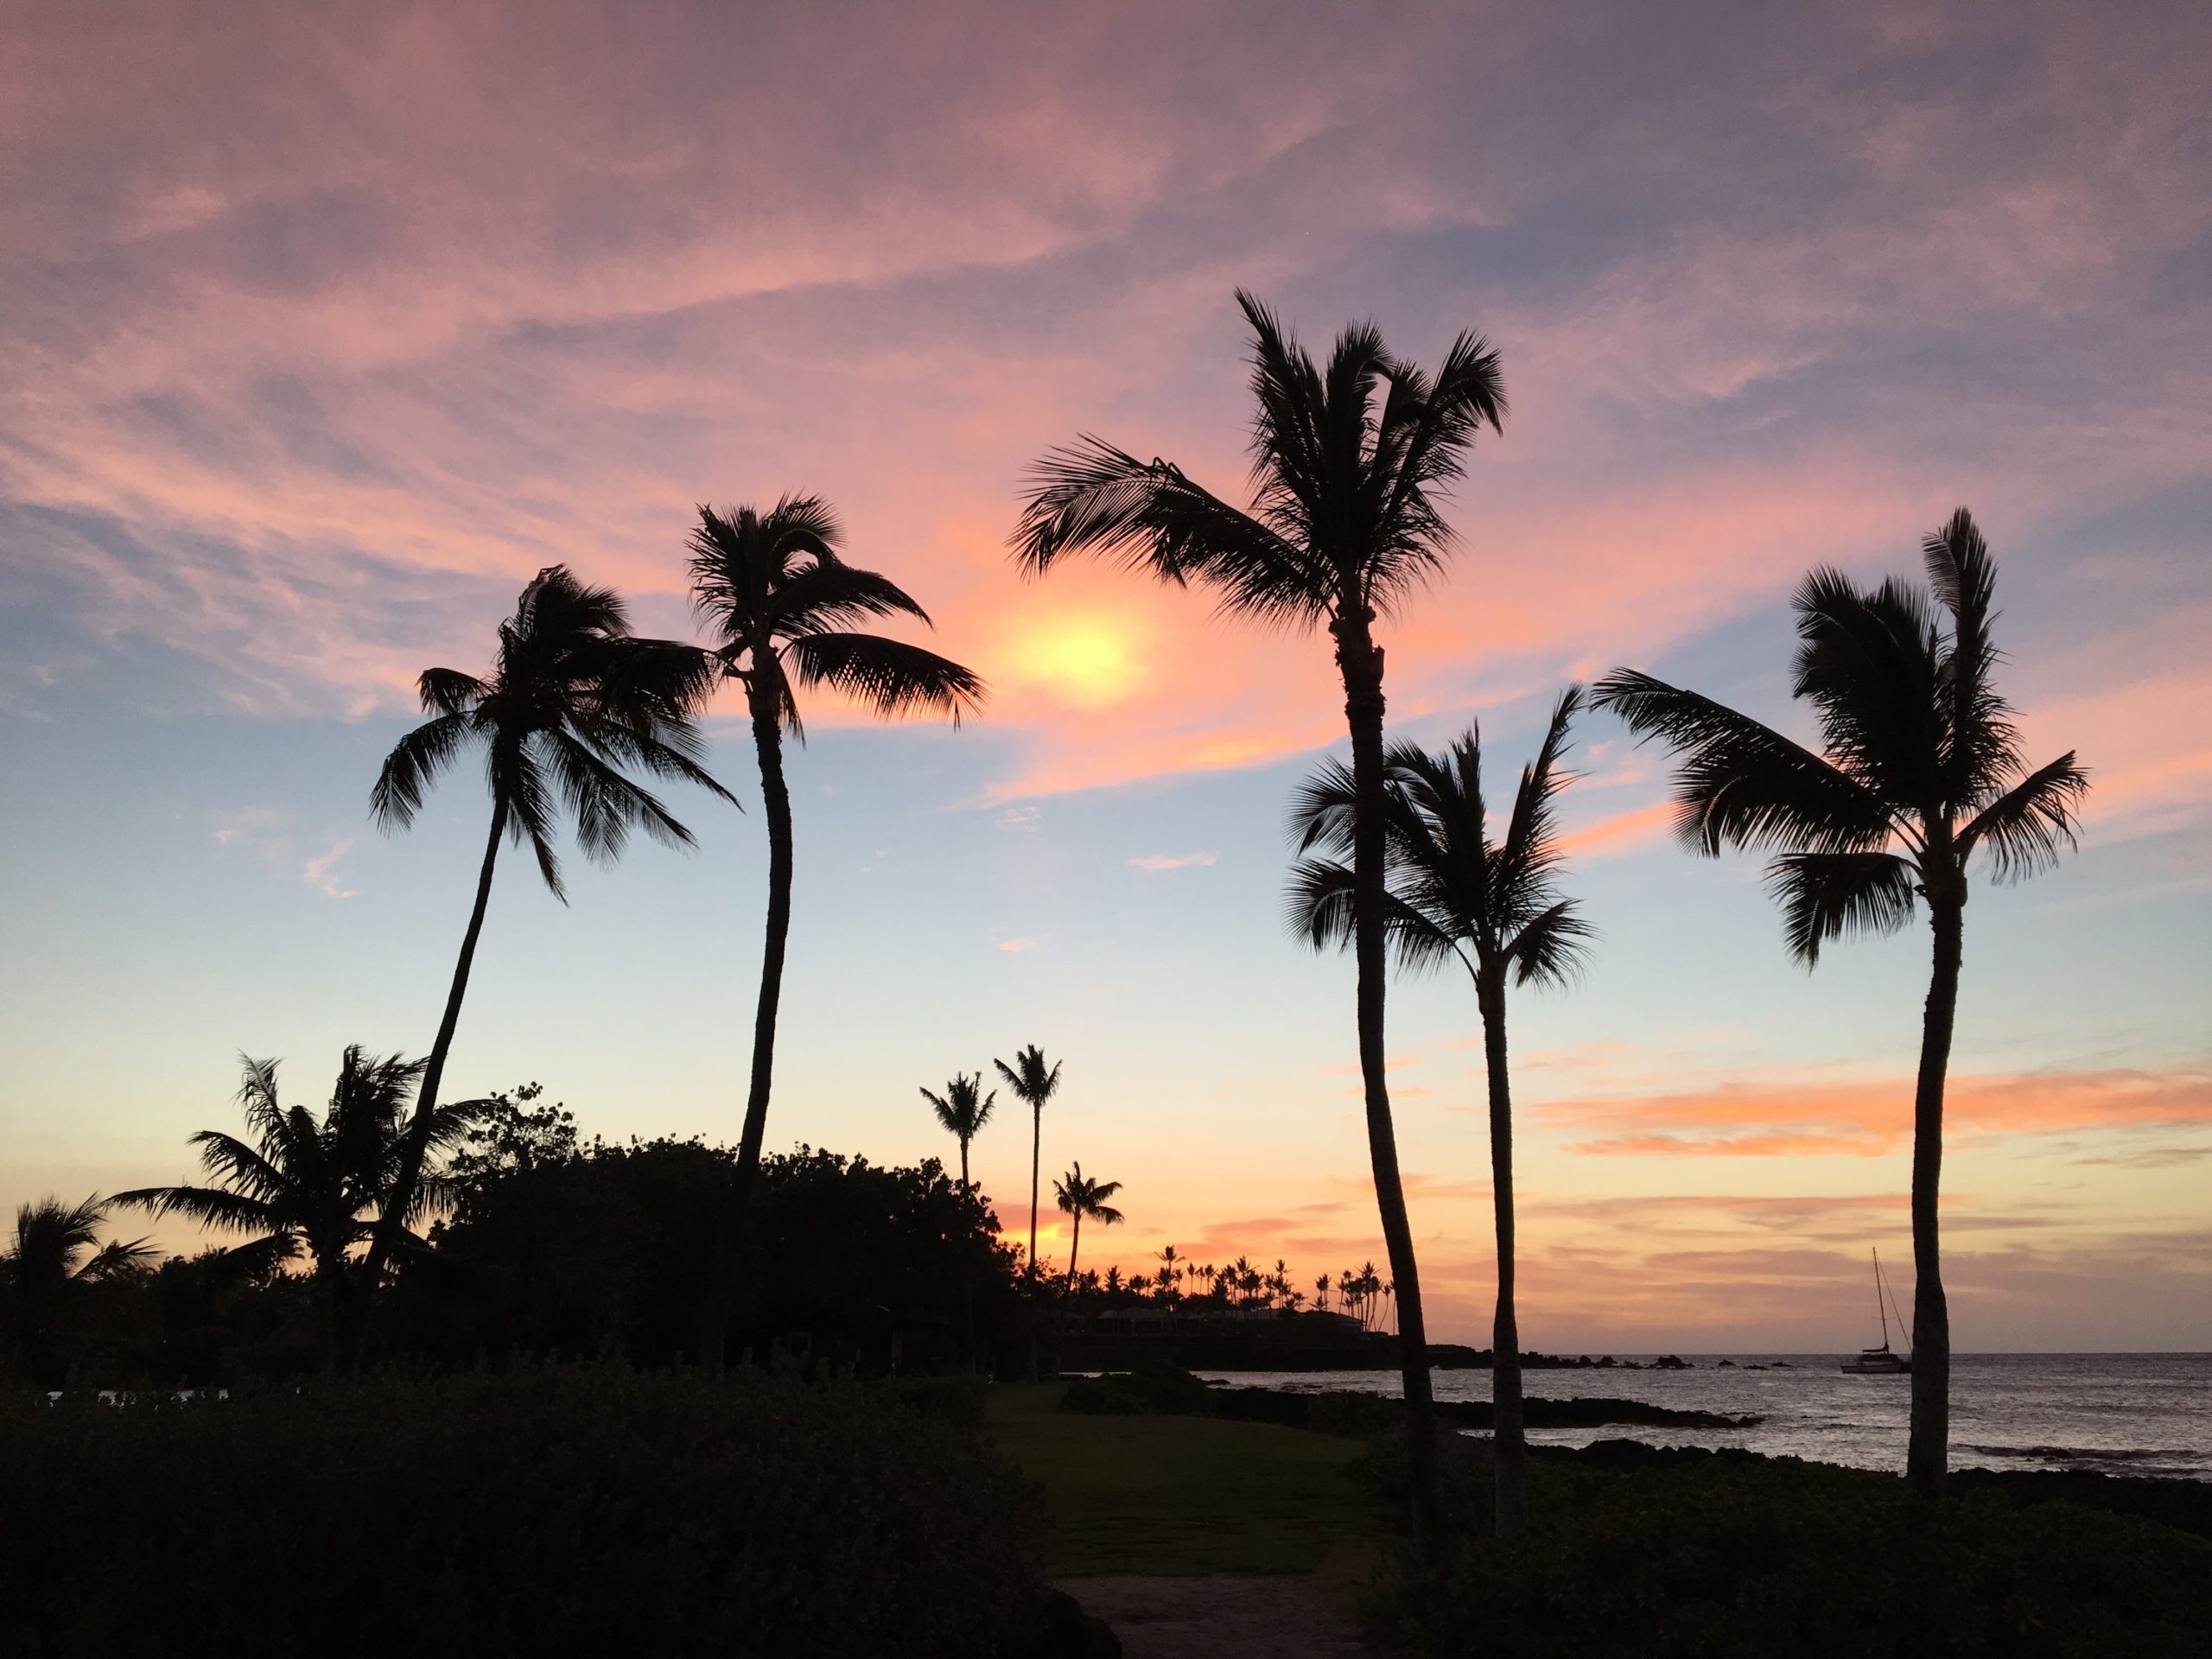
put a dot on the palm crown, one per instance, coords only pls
(573, 699)
(962, 1109)
(1452, 888)
(1085, 1198)
(1347, 463)
(58, 1245)
(776, 590)
(1031, 1079)
(308, 1183)
(1920, 766)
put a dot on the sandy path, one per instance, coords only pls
(1223, 1616)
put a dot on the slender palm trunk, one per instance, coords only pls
(776, 800)
(1360, 662)
(1928, 1451)
(1036, 1146)
(967, 1279)
(417, 1146)
(1508, 1444)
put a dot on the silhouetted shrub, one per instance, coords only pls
(1742, 1558)
(579, 1510)
(958, 1401)
(1151, 1390)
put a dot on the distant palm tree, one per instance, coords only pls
(1919, 769)
(780, 600)
(55, 1256)
(1349, 464)
(573, 699)
(1033, 1083)
(1080, 1197)
(963, 1109)
(1321, 1293)
(313, 1186)
(1490, 904)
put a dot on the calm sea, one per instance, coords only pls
(2117, 1413)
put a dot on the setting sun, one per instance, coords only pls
(1087, 662)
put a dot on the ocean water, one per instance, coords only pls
(2115, 1414)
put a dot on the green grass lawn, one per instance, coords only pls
(1186, 1495)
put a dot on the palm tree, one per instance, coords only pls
(1491, 906)
(573, 697)
(1919, 769)
(1349, 464)
(1034, 1083)
(963, 1109)
(1080, 1196)
(313, 1186)
(780, 601)
(56, 1256)
(1321, 1293)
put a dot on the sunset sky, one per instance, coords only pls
(322, 329)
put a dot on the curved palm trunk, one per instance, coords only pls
(417, 1146)
(776, 799)
(1067, 1298)
(1360, 662)
(1508, 1444)
(1036, 1146)
(1928, 1451)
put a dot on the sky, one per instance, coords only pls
(322, 329)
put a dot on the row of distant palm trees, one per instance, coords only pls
(1918, 770)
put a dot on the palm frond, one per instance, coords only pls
(1832, 895)
(887, 676)
(1323, 809)
(605, 803)
(1092, 497)
(1868, 663)
(1983, 746)
(1530, 853)
(1743, 784)
(210, 1206)
(518, 784)
(1552, 948)
(2026, 826)
(412, 766)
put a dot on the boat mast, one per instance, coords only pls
(1878, 1306)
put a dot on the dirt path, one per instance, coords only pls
(1220, 1616)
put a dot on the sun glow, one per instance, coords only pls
(1087, 661)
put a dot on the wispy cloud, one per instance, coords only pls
(321, 871)
(1156, 862)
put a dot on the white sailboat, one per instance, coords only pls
(1880, 1362)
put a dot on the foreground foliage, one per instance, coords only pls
(1738, 1557)
(587, 1510)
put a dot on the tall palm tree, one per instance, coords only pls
(963, 1109)
(573, 699)
(1919, 769)
(780, 600)
(1033, 1083)
(1489, 905)
(315, 1185)
(1079, 1196)
(1350, 463)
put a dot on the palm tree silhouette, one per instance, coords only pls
(1034, 1083)
(1920, 769)
(780, 601)
(1348, 465)
(1080, 1196)
(963, 1109)
(573, 697)
(313, 1186)
(56, 1255)
(1491, 906)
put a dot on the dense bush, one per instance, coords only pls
(1150, 1390)
(582, 1511)
(1742, 1558)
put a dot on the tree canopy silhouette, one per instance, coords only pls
(1919, 769)
(780, 600)
(1350, 463)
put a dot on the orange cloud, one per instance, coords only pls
(1871, 1116)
